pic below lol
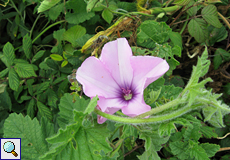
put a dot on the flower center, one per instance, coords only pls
(127, 93)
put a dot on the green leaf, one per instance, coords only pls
(4, 72)
(181, 2)
(68, 103)
(76, 18)
(91, 4)
(74, 33)
(197, 29)
(2, 87)
(8, 52)
(24, 70)
(107, 15)
(4, 60)
(5, 100)
(170, 92)
(37, 56)
(58, 35)
(27, 46)
(92, 104)
(195, 88)
(55, 11)
(64, 135)
(128, 130)
(44, 110)
(47, 4)
(176, 39)
(52, 98)
(208, 132)
(47, 128)
(214, 116)
(210, 149)
(216, 34)
(179, 148)
(217, 60)
(198, 153)
(52, 64)
(167, 52)
(56, 57)
(33, 143)
(220, 57)
(209, 13)
(42, 87)
(192, 132)
(151, 96)
(31, 108)
(151, 32)
(227, 88)
(83, 143)
(165, 129)
(193, 10)
(13, 80)
(153, 143)
(79, 14)
(64, 63)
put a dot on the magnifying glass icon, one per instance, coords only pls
(9, 147)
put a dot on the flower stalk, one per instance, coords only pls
(155, 119)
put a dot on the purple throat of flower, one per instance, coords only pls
(127, 94)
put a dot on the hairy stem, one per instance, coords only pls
(155, 119)
(162, 108)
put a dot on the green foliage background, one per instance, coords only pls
(44, 42)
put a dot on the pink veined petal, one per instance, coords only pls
(136, 106)
(146, 70)
(96, 79)
(101, 119)
(116, 57)
(105, 103)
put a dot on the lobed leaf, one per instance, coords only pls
(74, 33)
(33, 143)
(151, 32)
(210, 149)
(82, 143)
(153, 143)
(67, 106)
(79, 14)
(198, 153)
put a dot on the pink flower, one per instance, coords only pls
(119, 79)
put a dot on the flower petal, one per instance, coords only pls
(105, 103)
(101, 119)
(136, 106)
(146, 70)
(116, 57)
(96, 79)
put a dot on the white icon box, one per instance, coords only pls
(10, 148)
